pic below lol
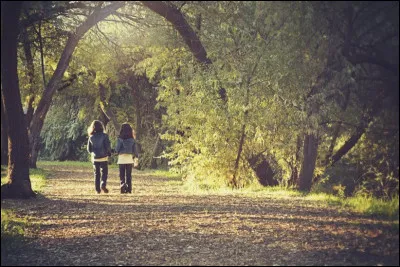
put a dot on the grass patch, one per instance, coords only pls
(388, 209)
(13, 228)
(361, 204)
(37, 177)
(277, 191)
(325, 198)
(12, 233)
(74, 164)
(374, 206)
(165, 173)
(85, 164)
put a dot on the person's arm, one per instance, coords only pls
(118, 146)
(107, 145)
(135, 149)
(89, 146)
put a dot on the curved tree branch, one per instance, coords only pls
(72, 42)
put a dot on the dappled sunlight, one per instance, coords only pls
(162, 221)
(259, 133)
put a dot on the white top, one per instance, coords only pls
(125, 159)
(100, 159)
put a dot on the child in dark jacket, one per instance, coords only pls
(126, 149)
(100, 149)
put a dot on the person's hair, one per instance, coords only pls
(95, 127)
(126, 131)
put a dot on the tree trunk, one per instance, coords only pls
(4, 137)
(34, 148)
(294, 176)
(134, 83)
(173, 15)
(265, 174)
(364, 123)
(19, 184)
(337, 128)
(106, 110)
(234, 181)
(41, 53)
(31, 76)
(103, 117)
(309, 158)
(45, 102)
(310, 144)
(155, 152)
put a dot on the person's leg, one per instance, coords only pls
(122, 177)
(129, 178)
(104, 175)
(96, 171)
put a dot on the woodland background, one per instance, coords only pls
(225, 93)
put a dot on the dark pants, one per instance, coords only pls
(103, 166)
(125, 177)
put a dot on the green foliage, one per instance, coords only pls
(373, 206)
(285, 73)
(12, 232)
(37, 177)
(13, 227)
(207, 149)
(361, 204)
(376, 158)
(64, 134)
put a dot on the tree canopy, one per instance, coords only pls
(227, 93)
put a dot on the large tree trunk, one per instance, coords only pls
(19, 184)
(4, 136)
(310, 144)
(45, 102)
(309, 158)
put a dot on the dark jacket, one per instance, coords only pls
(99, 145)
(126, 146)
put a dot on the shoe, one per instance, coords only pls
(98, 192)
(124, 189)
(105, 190)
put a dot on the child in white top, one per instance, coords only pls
(126, 150)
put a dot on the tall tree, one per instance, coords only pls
(19, 184)
(4, 136)
(45, 101)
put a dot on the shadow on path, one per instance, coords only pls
(161, 225)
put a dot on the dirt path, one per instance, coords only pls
(160, 225)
